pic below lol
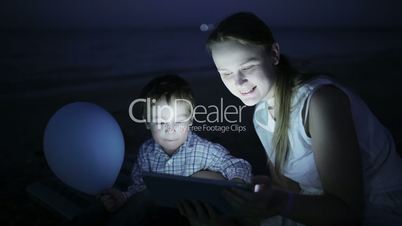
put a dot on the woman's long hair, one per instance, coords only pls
(247, 28)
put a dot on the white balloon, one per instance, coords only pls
(84, 147)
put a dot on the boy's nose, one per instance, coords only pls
(170, 128)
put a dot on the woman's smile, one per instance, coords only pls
(248, 92)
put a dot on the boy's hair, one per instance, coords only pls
(169, 87)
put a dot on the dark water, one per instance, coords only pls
(38, 60)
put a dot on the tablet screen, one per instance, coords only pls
(167, 190)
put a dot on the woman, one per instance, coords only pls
(332, 162)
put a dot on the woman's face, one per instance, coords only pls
(246, 70)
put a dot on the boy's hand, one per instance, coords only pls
(112, 199)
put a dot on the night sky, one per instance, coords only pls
(177, 13)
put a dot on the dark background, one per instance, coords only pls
(56, 52)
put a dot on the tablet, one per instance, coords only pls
(167, 190)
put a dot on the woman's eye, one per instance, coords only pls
(226, 73)
(247, 67)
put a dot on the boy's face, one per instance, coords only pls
(170, 124)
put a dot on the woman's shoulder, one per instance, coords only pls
(328, 94)
(305, 86)
(313, 80)
(308, 86)
(329, 105)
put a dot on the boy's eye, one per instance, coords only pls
(159, 124)
(164, 125)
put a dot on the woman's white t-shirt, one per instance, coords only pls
(382, 166)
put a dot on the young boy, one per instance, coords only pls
(173, 148)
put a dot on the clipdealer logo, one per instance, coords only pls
(211, 118)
